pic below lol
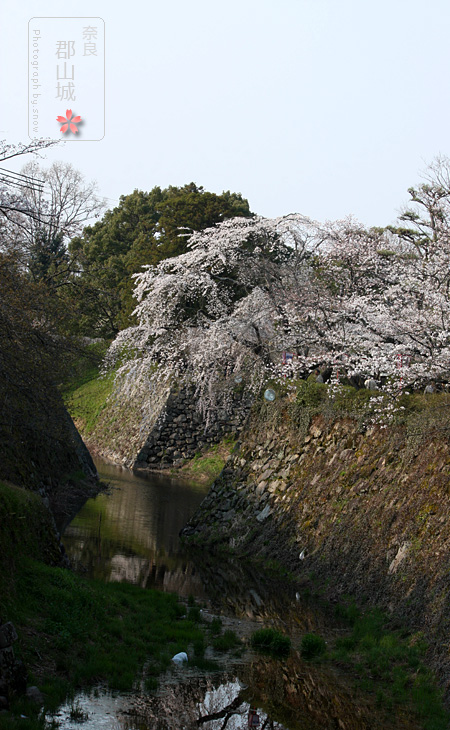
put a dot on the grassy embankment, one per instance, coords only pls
(421, 415)
(77, 633)
(206, 465)
(86, 392)
(387, 662)
(85, 396)
(386, 659)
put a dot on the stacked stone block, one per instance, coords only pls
(180, 431)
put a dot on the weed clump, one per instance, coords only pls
(194, 614)
(312, 646)
(270, 641)
(215, 627)
(228, 640)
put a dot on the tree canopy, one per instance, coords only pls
(145, 228)
(220, 309)
(368, 302)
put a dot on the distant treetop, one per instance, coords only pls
(145, 228)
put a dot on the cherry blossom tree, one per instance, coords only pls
(222, 310)
(337, 296)
(389, 302)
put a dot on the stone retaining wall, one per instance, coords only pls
(364, 514)
(180, 431)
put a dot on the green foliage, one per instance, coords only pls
(86, 390)
(350, 400)
(348, 612)
(35, 433)
(89, 632)
(228, 640)
(194, 209)
(48, 257)
(272, 567)
(390, 662)
(145, 228)
(77, 714)
(86, 403)
(85, 367)
(310, 394)
(211, 465)
(151, 684)
(205, 665)
(311, 398)
(312, 646)
(422, 415)
(94, 632)
(194, 614)
(215, 627)
(199, 647)
(25, 529)
(270, 641)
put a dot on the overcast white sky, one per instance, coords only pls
(322, 107)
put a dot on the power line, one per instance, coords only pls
(27, 186)
(20, 180)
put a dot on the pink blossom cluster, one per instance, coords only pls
(337, 296)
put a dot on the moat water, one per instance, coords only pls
(131, 533)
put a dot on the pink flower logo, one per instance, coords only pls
(67, 122)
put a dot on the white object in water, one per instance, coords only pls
(180, 658)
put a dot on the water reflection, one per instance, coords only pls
(131, 533)
(209, 703)
(276, 695)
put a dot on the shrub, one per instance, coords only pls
(311, 394)
(312, 646)
(270, 641)
(215, 626)
(194, 614)
(228, 640)
(199, 647)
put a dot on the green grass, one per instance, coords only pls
(390, 663)
(85, 367)
(210, 465)
(86, 402)
(25, 529)
(207, 464)
(215, 627)
(422, 415)
(86, 390)
(92, 632)
(73, 632)
(226, 641)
